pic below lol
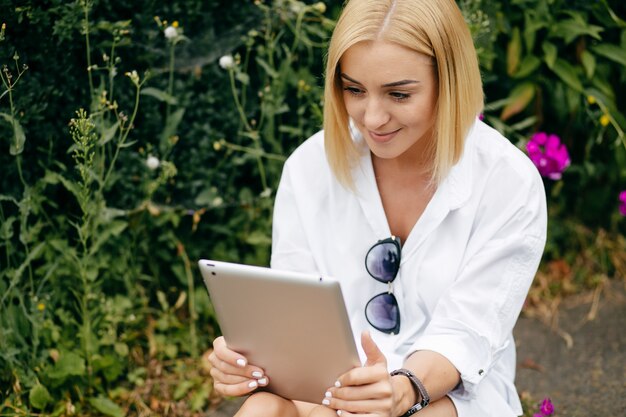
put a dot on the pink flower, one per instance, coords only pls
(622, 204)
(546, 407)
(548, 154)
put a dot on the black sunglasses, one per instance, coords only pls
(382, 263)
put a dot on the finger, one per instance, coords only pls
(236, 390)
(363, 376)
(226, 378)
(231, 362)
(373, 353)
(221, 350)
(249, 371)
(378, 390)
(377, 406)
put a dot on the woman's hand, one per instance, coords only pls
(232, 375)
(366, 390)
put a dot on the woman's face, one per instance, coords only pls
(390, 92)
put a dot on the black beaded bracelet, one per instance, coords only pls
(421, 394)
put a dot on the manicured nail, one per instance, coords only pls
(257, 374)
(252, 384)
(326, 401)
(262, 381)
(338, 412)
(241, 362)
(328, 394)
(337, 384)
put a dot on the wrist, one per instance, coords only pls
(422, 399)
(403, 394)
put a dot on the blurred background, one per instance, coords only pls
(138, 137)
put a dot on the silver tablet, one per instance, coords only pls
(292, 325)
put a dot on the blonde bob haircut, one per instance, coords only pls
(435, 28)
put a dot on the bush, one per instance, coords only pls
(140, 138)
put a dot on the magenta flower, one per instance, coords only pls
(622, 204)
(546, 407)
(548, 154)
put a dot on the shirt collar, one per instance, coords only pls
(458, 183)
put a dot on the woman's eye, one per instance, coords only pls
(398, 96)
(353, 90)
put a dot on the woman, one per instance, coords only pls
(403, 159)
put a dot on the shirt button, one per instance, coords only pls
(480, 372)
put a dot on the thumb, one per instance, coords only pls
(373, 353)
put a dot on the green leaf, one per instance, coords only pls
(114, 228)
(612, 52)
(242, 77)
(570, 29)
(529, 64)
(106, 407)
(513, 52)
(159, 95)
(532, 23)
(39, 397)
(550, 53)
(171, 125)
(567, 74)
(182, 389)
(19, 138)
(589, 63)
(69, 364)
(6, 228)
(258, 238)
(200, 397)
(518, 100)
(269, 70)
(108, 133)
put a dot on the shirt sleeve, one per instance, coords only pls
(472, 322)
(290, 249)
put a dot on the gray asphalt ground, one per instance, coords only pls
(579, 363)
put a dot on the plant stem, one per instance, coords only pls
(170, 82)
(240, 110)
(88, 47)
(192, 303)
(122, 139)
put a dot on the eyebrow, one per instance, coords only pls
(393, 84)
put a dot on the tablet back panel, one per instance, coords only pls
(292, 325)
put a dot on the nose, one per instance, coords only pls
(375, 115)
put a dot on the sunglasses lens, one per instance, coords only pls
(382, 313)
(383, 261)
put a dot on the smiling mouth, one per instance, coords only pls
(383, 137)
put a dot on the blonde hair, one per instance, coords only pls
(435, 28)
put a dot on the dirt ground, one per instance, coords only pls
(579, 363)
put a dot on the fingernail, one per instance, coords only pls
(337, 384)
(338, 412)
(328, 394)
(252, 384)
(257, 374)
(326, 401)
(262, 381)
(241, 362)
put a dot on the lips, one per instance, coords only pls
(383, 137)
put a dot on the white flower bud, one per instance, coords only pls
(170, 32)
(320, 7)
(153, 162)
(227, 62)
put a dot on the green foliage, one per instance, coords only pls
(101, 231)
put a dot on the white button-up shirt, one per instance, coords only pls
(466, 266)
